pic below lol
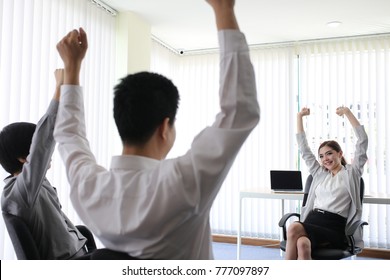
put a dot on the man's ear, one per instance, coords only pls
(22, 160)
(164, 129)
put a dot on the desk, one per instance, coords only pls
(376, 199)
(268, 194)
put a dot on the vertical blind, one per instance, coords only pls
(30, 30)
(321, 75)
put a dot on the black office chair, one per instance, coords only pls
(24, 243)
(91, 244)
(324, 253)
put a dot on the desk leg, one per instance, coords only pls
(280, 230)
(239, 229)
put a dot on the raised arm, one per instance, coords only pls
(215, 148)
(59, 75)
(360, 157)
(41, 150)
(307, 155)
(304, 112)
(224, 14)
(72, 49)
(345, 111)
(70, 129)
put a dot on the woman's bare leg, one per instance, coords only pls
(294, 232)
(304, 248)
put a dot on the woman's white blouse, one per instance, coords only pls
(333, 186)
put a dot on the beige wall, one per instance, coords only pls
(132, 55)
(133, 44)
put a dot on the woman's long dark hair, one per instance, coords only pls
(335, 146)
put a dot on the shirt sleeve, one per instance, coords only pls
(29, 181)
(238, 94)
(214, 149)
(70, 133)
(310, 159)
(361, 147)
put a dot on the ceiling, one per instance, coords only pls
(189, 24)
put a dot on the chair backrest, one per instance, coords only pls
(91, 244)
(24, 243)
(306, 190)
(361, 189)
(21, 238)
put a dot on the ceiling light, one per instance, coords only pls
(333, 24)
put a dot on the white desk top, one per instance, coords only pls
(267, 193)
(375, 198)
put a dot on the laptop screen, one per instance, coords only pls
(286, 180)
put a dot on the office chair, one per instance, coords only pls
(327, 253)
(24, 243)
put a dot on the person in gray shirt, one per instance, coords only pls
(25, 152)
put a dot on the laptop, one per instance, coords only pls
(286, 181)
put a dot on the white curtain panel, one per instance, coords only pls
(30, 30)
(321, 75)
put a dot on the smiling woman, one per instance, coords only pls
(334, 201)
(331, 156)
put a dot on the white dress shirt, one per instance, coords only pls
(331, 187)
(160, 209)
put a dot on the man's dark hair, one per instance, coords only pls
(15, 142)
(141, 103)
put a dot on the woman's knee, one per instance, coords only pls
(304, 244)
(304, 248)
(295, 230)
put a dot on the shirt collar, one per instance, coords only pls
(133, 162)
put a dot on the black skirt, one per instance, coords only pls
(325, 229)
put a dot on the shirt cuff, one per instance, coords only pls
(70, 93)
